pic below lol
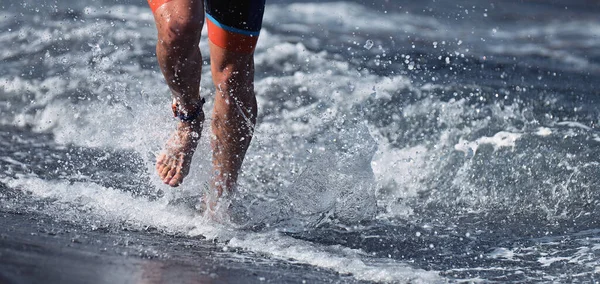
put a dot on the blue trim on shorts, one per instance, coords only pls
(231, 29)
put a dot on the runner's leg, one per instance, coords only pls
(179, 24)
(234, 114)
(233, 29)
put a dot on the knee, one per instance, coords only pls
(181, 32)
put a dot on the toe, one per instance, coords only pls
(170, 174)
(164, 171)
(176, 180)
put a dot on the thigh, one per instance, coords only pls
(234, 25)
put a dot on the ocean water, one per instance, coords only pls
(396, 141)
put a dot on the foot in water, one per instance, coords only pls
(173, 164)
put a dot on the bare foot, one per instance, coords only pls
(173, 164)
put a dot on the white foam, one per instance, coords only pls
(554, 39)
(402, 170)
(108, 205)
(337, 258)
(574, 124)
(345, 16)
(547, 261)
(499, 140)
(543, 131)
(541, 50)
(502, 253)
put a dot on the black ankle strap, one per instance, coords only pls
(189, 117)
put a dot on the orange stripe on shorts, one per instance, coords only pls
(231, 41)
(154, 4)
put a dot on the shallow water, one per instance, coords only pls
(395, 141)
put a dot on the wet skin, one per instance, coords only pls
(179, 24)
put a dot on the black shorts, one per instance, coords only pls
(234, 24)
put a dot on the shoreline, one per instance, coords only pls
(37, 249)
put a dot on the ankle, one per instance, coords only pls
(188, 111)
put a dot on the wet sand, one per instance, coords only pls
(36, 249)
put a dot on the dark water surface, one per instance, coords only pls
(397, 141)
